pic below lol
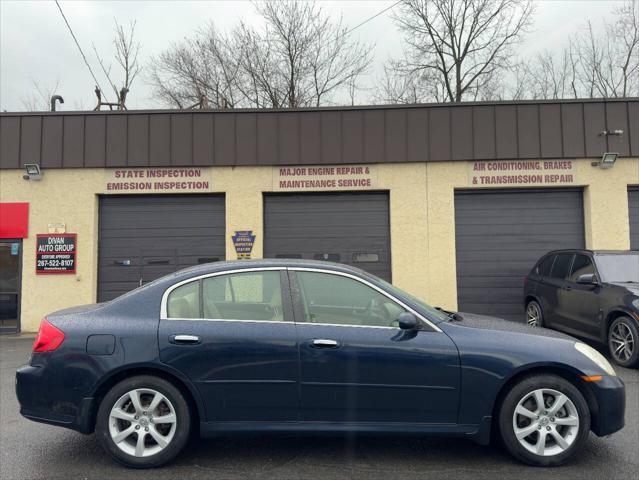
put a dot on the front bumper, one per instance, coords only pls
(42, 404)
(609, 410)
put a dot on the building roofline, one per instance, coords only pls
(324, 108)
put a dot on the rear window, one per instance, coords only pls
(545, 265)
(561, 265)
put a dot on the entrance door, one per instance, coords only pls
(10, 270)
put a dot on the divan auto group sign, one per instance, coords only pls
(521, 173)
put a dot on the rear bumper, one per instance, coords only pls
(41, 404)
(609, 415)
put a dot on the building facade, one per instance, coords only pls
(453, 203)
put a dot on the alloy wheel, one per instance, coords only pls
(546, 422)
(533, 315)
(622, 342)
(142, 422)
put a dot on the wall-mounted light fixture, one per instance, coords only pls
(607, 160)
(32, 172)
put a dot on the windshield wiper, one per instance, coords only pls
(454, 316)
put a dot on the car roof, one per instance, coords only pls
(268, 262)
(594, 252)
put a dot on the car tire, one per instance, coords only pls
(534, 314)
(165, 428)
(524, 426)
(623, 342)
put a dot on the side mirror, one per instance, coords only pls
(588, 279)
(407, 321)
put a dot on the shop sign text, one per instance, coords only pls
(343, 177)
(186, 179)
(521, 173)
(56, 252)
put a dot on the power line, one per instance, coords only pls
(80, 49)
(370, 18)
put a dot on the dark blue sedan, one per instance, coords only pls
(276, 346)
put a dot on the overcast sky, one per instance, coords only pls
(35, 45)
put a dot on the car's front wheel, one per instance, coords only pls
(544, 420)
(623, 339)
(143, 421)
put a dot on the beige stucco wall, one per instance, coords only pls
(421, 210)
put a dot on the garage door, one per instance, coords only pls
(633, 206)
(144, 237)
(350, 228)
(500, 235)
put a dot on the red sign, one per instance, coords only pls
(14, 220)
(56, 253)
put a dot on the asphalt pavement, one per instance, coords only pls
(30, 450)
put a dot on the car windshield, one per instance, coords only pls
(430, 311)
(619, 268)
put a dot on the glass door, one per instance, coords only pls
(10, 282)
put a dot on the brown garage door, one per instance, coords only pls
(499, 236)
(633, 207)
(144, 237)
(351, 228)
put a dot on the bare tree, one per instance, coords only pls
(610, 57)
(126, 53)
(596, 62)
(464, 44)
(40, 99)
(300, 57)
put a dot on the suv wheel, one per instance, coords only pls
(544, 420)
(143, 422)
(534, 317)
(623, 339)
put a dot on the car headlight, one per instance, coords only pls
(596, 357)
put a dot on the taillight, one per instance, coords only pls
(525, 281)
(49, 337)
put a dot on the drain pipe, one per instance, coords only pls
(56, 98)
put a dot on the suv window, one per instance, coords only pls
(545, 265)
(243, 296)
(561, 265)
(338, 300)
(581, 266)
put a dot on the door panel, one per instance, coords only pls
(579, 304)
(10, 284)
(245, 370)
(144, 237)
(346, 227)
(555, 285)
(355, 372)
(500, 234)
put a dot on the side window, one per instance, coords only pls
(581, 266)
(184, 301)
(561, 266)
(243, 296)
(545, 265)
(338, 300)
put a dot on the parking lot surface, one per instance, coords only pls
(30, 450)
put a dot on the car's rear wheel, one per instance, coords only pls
(544, 420)
(623, 339)
(143, 421)
(534, 316)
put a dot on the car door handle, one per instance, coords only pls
(184, 339)
(324, 343)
